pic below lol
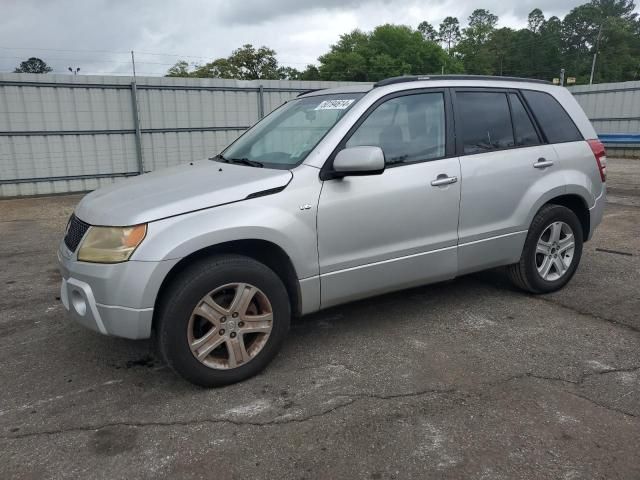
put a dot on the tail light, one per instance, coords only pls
(601, 157)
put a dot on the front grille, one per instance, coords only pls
(75, 231)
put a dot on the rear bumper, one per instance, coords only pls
(596, 212)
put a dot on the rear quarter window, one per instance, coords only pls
(554, 121)
(525, 132)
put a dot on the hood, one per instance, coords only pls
(176, 190)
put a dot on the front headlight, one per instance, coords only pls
(111, 244)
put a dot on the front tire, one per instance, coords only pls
(551, 253)
(223, 320)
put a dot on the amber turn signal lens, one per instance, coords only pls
(135, 235)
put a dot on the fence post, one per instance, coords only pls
(260, 102)
(136, 124)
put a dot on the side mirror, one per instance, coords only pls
(358, 161)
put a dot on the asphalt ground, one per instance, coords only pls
(469, 379)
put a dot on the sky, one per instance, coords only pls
(97, 35)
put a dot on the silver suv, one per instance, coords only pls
(337, 195)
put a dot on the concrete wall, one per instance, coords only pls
(65, 133)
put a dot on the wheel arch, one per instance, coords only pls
(263, 251)
(577, 205)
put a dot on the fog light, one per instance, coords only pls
(78, 302)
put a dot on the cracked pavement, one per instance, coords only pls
(465, 379)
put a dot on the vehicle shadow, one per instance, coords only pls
(141, 361)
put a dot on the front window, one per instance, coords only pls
(285, 137)
(408, 129)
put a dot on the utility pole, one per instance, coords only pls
(136, 117)
(133, 64)
(593, 63)
(562, 77)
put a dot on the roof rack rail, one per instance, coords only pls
(416, 78)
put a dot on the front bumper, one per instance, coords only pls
(77, 297)
(113, 299)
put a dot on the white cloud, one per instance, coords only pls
(197, 30)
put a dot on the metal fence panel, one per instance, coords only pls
(171, 148)
(614, 110)
(64, 133)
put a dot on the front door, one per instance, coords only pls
(399, 229)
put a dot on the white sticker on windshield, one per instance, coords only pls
(334, 104)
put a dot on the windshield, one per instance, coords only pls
(284, 138)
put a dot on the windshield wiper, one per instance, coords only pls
(246, 161)
(238, 161)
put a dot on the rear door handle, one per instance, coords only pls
(443, 180)
(542, 163)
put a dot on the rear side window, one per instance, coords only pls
(525, 132)
(486, 122)
(555, 122)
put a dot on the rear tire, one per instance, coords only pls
(222, 320)
(551, 252)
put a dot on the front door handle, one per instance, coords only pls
(443, 180)
(542, 163)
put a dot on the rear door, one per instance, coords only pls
(384, 232)
(503, 165)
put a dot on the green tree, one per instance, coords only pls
(311, 72)
(428, 32)
(244, 63)
(609, 27)
(527, 57)
(499, 45)
(453, 64)
(606, 26)
(346, 59)
(549, 53)
(289, 73)
(481, 24)
(387, 51)
(219, 68)
(535, 20)
(449, 32)
(33, 65)
(254, 64)
(475, 54)
(344, 66)
(180, 69)
(619, 51)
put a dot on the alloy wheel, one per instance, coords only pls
(554, 251)
(230, 326)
